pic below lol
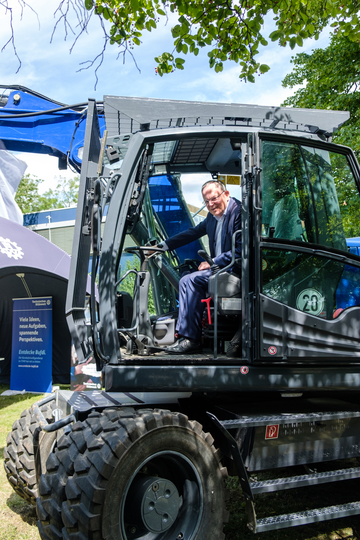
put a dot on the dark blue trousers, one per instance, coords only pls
(192, 289)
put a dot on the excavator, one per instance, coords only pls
(147, 455)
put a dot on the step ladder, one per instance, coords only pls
(252, 488)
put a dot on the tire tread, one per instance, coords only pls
(19, 453)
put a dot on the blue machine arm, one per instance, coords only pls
(30, 122)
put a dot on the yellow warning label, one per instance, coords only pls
(227, 179)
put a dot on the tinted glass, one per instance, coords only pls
(308, 195)
(313, 284)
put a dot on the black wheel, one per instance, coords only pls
(22, 458)
(150, 475)
(59, 467)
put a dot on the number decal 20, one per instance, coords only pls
(310, 301)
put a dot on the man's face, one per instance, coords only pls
(216, 200)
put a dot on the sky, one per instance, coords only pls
(52, 65)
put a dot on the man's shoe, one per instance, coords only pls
(185, 346)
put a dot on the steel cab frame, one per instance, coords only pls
(298, 325)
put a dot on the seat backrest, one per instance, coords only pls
(229, 293)
(228, 285)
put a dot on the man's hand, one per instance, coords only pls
(204, 266)
(149, 252)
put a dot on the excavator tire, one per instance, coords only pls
(145, 473)
(22, 460)
(59, 468)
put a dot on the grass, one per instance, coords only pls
(18, 518)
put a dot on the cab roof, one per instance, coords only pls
(130, 114)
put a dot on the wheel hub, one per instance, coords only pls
(159, 502)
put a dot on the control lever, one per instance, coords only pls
(208, 259)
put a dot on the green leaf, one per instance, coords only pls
(264, 68)
(134, 5)
(274, 36)
(179, 63)
(304, 17)
(89, 4)
(176, 30)
(212, 31)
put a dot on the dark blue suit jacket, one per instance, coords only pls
(231, 224)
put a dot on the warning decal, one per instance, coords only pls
(272, 432)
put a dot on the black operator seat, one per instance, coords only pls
(228, 292)
(228, 285)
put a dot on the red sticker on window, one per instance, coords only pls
(244, 370)
(272, 350)
(272, 432)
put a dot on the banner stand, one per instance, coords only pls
(31, 354)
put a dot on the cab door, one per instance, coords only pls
(309, 283)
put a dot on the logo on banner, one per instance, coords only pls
(11, 249)
(272, 432)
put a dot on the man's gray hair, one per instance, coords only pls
(217, 182)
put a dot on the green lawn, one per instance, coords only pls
(18, 518)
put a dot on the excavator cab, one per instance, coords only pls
(292, 296)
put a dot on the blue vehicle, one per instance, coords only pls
(354, 245)
(348, 291)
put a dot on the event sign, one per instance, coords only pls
(31, 355)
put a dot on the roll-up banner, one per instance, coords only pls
(31, 354)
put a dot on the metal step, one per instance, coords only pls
(309, 516)
(286, 418)
(278, 484)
